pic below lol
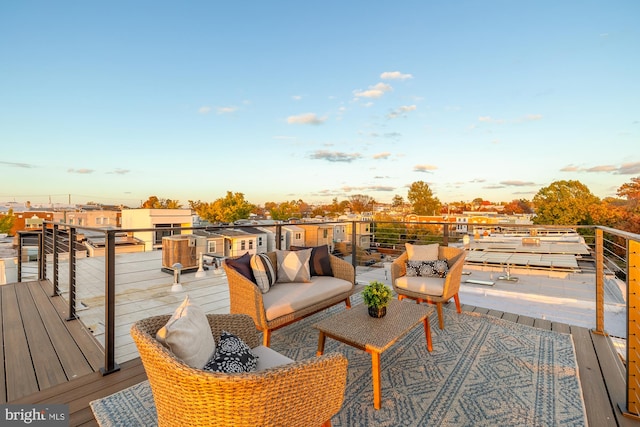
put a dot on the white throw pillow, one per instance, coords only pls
(188, 335)
(293, 266)
(422, 252)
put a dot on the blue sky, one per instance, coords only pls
(113, 102)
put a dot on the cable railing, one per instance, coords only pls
(363, 243)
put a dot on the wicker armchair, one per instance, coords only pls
(246, 298)
(455, 259)
(304, 393)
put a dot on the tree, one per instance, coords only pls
(360, 203)
(230, 208)
(631, 191)
(521, 206)
(421, 197)
(153, 202)
(7, 221)
(397, 201)
(564, 203)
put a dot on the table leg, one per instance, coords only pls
(375, 373)
(427, 332)
(321, 339)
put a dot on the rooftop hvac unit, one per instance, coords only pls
(182, 249)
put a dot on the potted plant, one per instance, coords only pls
(376, 296)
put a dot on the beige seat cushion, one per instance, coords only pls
(269, 358)
(286, 298)
(422, 252)
(424, 285)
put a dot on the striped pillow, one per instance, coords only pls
(263, 271)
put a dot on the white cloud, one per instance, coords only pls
(374, 91)
(401, 110)
(306, 119)
(424, 168)
(395, 75)
(384, 155)
(226, 110)
(205, 109)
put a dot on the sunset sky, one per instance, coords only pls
(114, 101)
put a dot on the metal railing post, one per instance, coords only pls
(632, 409)
(19, 263)
(41, 254)
(110, 364)
(354, 236)
(278, 236)
(72, 275)
(56, 285)
(445, 235)
(599, 281)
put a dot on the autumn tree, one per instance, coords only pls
(521, 206)
(564, 203)
(153, 202)
(631, 191)
(422, 199)
(6, 221)
(397, 201)
(359, 203)
(285, 210)
(230, 208)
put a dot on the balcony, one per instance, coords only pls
(106, 294)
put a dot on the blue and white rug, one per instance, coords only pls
(483, 371)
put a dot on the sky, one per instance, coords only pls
(115, 101)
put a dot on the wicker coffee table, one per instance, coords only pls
(356, 328)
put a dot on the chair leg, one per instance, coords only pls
(327, 423)
(266, 337)
(456, 298)
(347, 302)
(400, 297)
(440, 315)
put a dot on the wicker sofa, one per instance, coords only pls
(286, 303)
(276, 396)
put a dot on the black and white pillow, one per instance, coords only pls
(437, 268)
(263, 271)
(232, 356)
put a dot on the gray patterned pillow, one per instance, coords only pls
(437, 268)
(293, 266)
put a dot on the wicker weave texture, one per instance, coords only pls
(246, 298)
(304, 393)
(455, 259)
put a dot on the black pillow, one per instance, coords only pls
(319, 263)
(232, 356)
(242, 265)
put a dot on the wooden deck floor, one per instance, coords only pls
(51, 360)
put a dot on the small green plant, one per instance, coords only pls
(376, 294)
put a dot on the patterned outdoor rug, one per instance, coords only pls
(483, 371)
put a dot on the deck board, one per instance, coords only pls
(599, 367)
(40, 348)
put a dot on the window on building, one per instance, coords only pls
(161, 231)
(250, 244)
(298, 236)
(243, 245)
(211, 246)
(325, 233)
(260, 241)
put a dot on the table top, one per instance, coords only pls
(354, 326)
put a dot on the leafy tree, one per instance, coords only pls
(153, 202)
(521, 206)
(564, 203)
(631, 191)
(421, 197)
(230, 208)
(359, 203)
(7, 221)
(397, 201)
(286, 210)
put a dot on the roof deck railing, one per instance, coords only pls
(611, 252)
